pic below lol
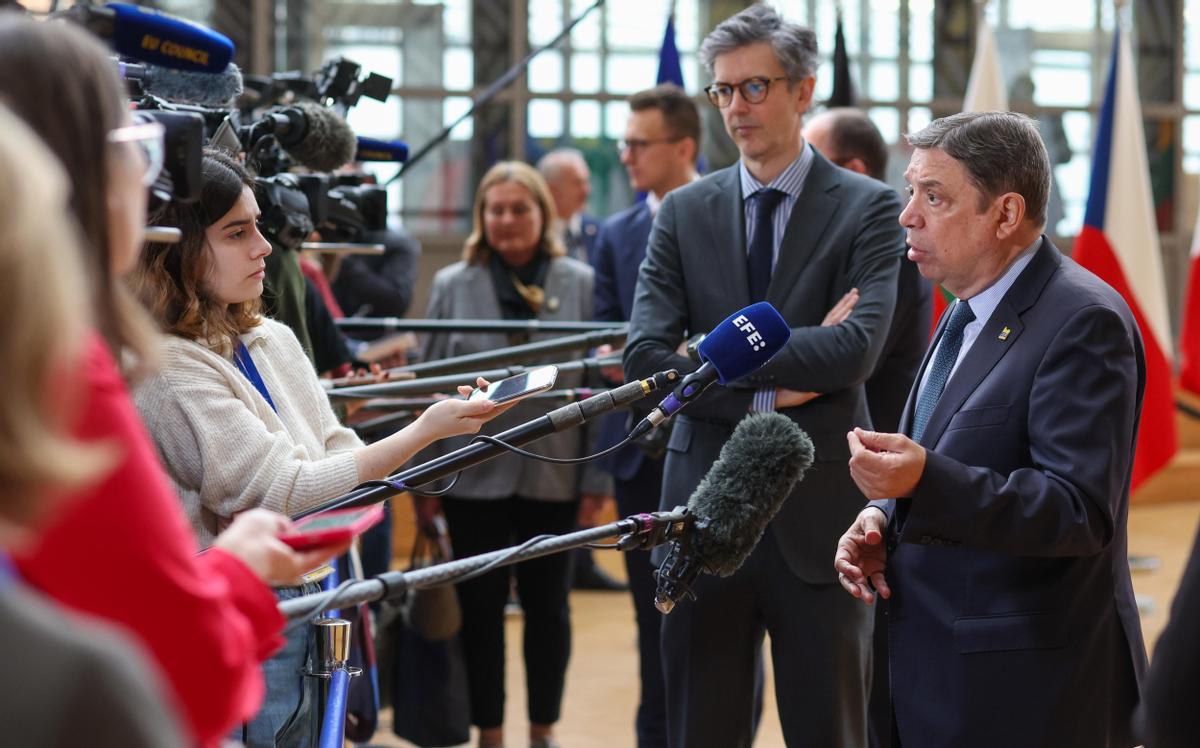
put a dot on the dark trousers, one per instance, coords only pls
(640, 494)
(820, 647)
(879, 711)
(479, 526)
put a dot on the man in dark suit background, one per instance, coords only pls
(1168, 716)
(662, 141)
(570, 182)
(786, 226)
(997, 526)
(849, 138)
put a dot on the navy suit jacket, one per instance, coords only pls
(619, 251)
(1012, 620)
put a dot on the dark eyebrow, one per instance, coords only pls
(926, 183)
(241, 222)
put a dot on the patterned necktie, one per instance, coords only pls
(762, 244)
(941, 366)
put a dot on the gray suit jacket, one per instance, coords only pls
(842, 234)
(73, 685)
(463, 291)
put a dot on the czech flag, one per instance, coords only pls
(1119, 243)
(1189, 341)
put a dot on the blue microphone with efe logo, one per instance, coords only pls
(743, 343)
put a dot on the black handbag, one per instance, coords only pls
(430, 703)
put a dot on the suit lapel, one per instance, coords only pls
(810, 215)
(905, 426)
(728, 227)
(998, 336)
(632, 250)
(482, 293)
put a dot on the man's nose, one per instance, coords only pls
(910, 216)
(737, 102)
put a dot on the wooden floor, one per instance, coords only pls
(602, 683)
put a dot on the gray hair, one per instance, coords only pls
(793, 44)
(1001, 151)
(556, 162)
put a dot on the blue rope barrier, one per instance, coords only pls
(333, 721)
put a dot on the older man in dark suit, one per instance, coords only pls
(570, 182)
(997, 526)
(786, 226)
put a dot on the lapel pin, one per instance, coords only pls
(552, 303)
(1004, 333)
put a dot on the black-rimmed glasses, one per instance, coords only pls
(753, 90)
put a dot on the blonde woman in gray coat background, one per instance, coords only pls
(513, 268)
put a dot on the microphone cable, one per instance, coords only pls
(398, 486)
(546, 458)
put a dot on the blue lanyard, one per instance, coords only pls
(245, 364)
(8, 572)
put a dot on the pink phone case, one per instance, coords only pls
(333, 527)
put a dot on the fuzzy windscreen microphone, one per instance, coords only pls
(766, 456)
(324, 143)
(213, 90)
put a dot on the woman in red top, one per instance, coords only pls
(122, 551)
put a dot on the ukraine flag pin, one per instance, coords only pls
(1004, 333)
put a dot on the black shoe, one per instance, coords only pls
(592, 578)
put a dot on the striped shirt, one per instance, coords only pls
(791, 182)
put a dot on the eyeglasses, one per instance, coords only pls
(753, 90)
(148, 137)
(633, 145)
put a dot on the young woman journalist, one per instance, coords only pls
(235, 408)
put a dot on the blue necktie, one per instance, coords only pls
(942, 365)
(762, 244)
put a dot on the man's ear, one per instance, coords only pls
(804, 96)
(1010, 214)
(855, 165)
(688, 149)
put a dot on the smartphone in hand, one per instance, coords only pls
(522, 385)
(333, 527)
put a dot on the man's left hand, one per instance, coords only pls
(885, 466)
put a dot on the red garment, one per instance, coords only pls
(314, 273)
(123, 552)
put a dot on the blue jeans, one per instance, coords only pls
(287, 717)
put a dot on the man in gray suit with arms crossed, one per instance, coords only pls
(786, 226)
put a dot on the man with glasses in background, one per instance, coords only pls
(786, 226)
(662, 142)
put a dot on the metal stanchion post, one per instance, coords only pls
(333, 652)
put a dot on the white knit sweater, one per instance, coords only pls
(224, 447)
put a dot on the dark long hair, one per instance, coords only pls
(60, 80)
(169, 278)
